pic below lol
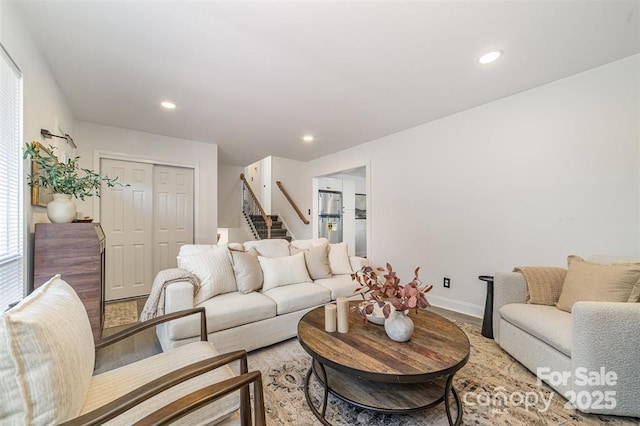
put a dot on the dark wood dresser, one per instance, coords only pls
(76, 252)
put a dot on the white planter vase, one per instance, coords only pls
(398, 326)
(61, 209)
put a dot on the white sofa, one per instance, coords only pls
(578, 344)
(253, 319)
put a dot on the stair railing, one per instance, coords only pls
(251, 206)
(293, 204)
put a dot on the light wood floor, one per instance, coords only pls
(145, 343)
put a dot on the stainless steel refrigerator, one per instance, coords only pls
(330, 216)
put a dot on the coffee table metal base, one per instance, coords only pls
(362, 393)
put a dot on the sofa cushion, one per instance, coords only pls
(47, 356)
(317, 261)
(247, 270)
(295, 297)
(587, 281)
(269, 248)
(339, 285)
(547, 323)
(339, 259)
(225, 311)
(132, 376)
(281, 271)
(213, 268)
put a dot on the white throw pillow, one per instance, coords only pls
(47, 356)
(213, 268)
(191, 249)
(247, 271)
(339, 259)
(280, 271)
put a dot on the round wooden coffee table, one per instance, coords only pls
(367, 369)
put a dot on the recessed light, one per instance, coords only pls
(489, 57)
(168, 105)
(308, 138)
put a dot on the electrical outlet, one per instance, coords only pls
(446, 282)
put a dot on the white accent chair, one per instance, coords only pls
(47, 357)
(594, 335)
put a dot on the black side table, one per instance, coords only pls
(487, 322)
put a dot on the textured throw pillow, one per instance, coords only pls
(280, 271)
(307, 244)
(544, 283)
(247, 271)
(269, 248)
(47, 356)
(339, 259)
(213, 268)
(603, 283)
(317, 261)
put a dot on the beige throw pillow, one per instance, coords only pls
(339, 259)
(47, 356)
(317, 261)
(281, 271)
(247, 271)
(602, 283)
(544, 283)
(213, 268)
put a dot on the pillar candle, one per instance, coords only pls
(330, 317)
(343, 314)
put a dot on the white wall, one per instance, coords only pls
(296, 179)
(44, 107)
(525, 180)
(229, 196)
(163, 150)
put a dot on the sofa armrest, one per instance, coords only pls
(358, 262)
(178, 296)
(605, 335)
(508, 287)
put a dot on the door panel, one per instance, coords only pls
(126, 217)
(173, 195)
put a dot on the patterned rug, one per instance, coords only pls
(489, 371)
(120, 313)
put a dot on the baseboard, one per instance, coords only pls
(457, 306)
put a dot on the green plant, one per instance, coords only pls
(386, 288)
(64, 177)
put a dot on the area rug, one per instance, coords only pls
(489, 372)
(120, 313)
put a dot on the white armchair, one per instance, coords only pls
(47, 357)
(594, 336)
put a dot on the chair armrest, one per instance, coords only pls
(605, 335)
(102, 343)
(508, 287)
(179, 408)
(358, 262)
(126, 402)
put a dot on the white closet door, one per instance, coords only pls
(173, 213)
(126, 216)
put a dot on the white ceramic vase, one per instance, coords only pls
(61, 209)
(398, 326)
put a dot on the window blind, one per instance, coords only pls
(11, 229)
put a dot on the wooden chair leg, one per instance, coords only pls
(258, 402)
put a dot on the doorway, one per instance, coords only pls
(145, 223)
(351, 223)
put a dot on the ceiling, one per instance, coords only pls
(255, 76)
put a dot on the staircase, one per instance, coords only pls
(277, 229)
